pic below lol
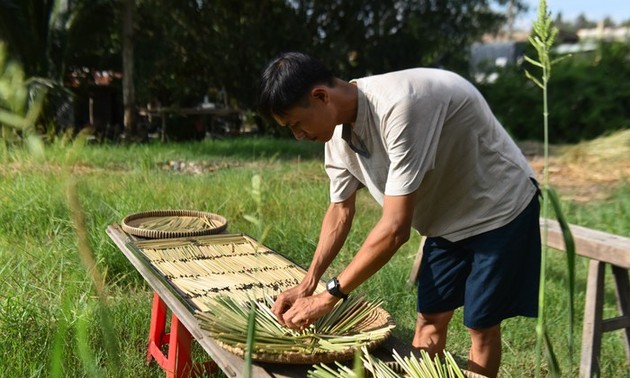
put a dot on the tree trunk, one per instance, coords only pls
(129, 95)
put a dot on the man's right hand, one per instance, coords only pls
(286, 299)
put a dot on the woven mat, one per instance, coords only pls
(204, 267)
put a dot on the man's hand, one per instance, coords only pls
(286, 299)
(306, 310)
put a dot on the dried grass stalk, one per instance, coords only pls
(349, 326)
(407, 367)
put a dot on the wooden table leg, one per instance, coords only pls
(593, 311)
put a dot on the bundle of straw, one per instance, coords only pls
(407, 367)
(352, 324)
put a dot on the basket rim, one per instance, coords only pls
(161, 234)
(320, 356)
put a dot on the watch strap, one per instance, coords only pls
(333, 288)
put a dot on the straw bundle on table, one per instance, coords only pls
(228, 264)
(352, 323)
(414, 366)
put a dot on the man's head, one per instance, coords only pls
(287, 82)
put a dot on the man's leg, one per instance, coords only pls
(485, 352)
(431, 332)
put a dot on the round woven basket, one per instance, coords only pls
(131, 224)
(377, 320)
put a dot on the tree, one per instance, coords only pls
(581, 22)
(49, 37)
(129, 93)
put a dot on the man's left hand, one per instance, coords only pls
(307, 310)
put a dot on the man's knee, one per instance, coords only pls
(431, 330)
(438, 320)
(486, 336)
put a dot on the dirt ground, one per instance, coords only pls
(589, 171)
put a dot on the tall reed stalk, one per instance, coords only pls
(262, 230)
(542, 40)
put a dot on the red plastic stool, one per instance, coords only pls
(177, 363)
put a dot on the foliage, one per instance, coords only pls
(17, 113)
(589, 92)
(185, 50)
(542, 40)
(44, 291)
(49, 40)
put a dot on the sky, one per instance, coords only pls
(594, 10)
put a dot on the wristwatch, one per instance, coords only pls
(333, 288)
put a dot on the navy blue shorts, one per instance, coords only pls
(494, 275)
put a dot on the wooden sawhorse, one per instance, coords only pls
(602, 249)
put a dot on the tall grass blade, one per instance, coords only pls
(570, 251)
(87, 258)
(83, 348)
(554, 366)
(251, 332)
(61, 333)
(358, 364)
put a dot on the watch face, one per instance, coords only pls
(330, 285)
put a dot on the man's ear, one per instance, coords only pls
(320, 93)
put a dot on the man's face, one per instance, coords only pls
(313, 121)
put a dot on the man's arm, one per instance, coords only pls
(391, 232)
(335, 228)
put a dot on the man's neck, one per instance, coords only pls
(348, 95)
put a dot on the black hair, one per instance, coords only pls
(287, 81)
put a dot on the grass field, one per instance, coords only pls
(52, 322)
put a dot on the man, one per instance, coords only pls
(428, 148)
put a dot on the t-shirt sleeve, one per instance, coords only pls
(411, 134)
(342, 182)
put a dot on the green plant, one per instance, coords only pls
(542, 40)
(41, 270)
(17, 113)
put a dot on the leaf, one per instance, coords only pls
(552, 360)
(358, 363)
(532, 61)
(35, 145)
(532, 78)
(251, 332)
(569, 243)
(252, 219)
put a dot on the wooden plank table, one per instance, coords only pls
(231, 364)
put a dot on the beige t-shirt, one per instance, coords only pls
(430, 130)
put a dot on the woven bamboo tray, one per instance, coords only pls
(161, 224)
(379, 319)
